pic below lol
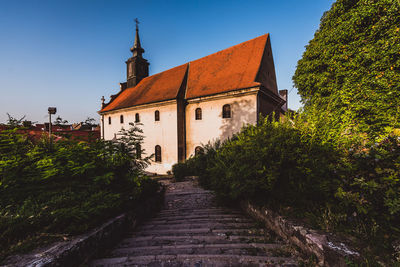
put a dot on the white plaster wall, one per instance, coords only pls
(213, 126)
(162, 133)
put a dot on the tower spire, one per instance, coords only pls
(137, 66)
(137, 49)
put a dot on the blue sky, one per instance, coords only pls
(69, 53)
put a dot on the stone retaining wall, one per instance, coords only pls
(325, 247)
(81, 248)
(75, 251)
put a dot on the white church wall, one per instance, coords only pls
(162, 133)
(212, 126)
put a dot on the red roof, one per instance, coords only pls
(155, 88)
(226, 70)
(230, 69)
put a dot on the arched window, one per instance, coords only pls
(198, 150)
(109, 120)
(138, 151)
(137, 118)
(198, 113)
(226, 111)
(156, 115)
(121, 119)
(158, 153)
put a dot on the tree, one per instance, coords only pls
(14, 122)
(60, 122)
(349, 75)
(89, 121)
(130, 141)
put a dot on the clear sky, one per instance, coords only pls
(69, 53)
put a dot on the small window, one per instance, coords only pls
(121, 119)
(198, 150)
(226, 111)
(198, 113)
(157, 115)
(138, 151)
(158, 153)
(137, 118)
(109, 120)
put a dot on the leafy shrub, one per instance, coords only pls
(67, 188)
(181, 170)
(371, 190)
(274, 162)
(197, 165)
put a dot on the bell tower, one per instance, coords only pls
(137, 67)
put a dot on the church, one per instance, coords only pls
(182, 108)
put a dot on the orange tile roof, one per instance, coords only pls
(155, 88)
(230, 69)
(226, 70)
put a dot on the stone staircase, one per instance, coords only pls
(192, 230)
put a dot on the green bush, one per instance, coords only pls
(274, 162)
(347, 185)
(371, 190)
(181, 170)
(52, 192)
(197, 165)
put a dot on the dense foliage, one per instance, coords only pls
(196, 165)
(287, 167)
(48, 193)
(350, 71)
(370, 190)
(271, 163)
(264, 161)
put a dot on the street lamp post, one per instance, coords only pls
(52, 110)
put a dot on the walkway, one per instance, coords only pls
(192, 230)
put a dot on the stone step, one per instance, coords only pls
(203, 210)
(200, 216)
(171, 232)
(188, 211)
(157, 221)
(216, 209)
(175, 193)
(194, 239)
(209, 207)
(252, 249)
(196, 260)
(204, 230)
(190, 225)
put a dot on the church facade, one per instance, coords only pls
(185, 107)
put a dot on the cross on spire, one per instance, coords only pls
(137, 49)
(137, 23)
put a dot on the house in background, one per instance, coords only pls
(194, 103)
(35, 132)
